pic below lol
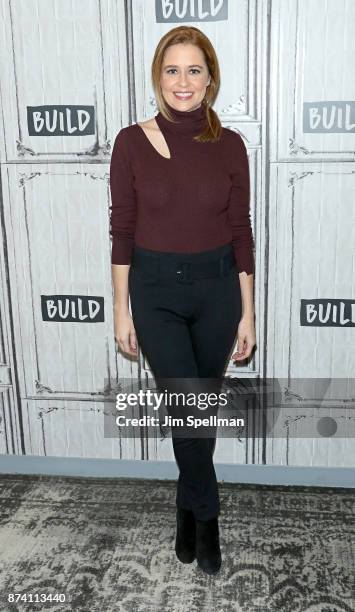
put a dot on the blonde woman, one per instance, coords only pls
(182, 251)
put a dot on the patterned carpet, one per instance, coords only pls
(108, 545)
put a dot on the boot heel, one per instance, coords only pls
(208, 551)
(185, 543)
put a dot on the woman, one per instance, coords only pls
(182, 249)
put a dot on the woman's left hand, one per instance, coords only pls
(246, 338)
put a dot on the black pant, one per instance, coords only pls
(187, 331)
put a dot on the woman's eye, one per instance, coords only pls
(194, 70)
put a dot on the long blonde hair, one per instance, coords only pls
(192, 35)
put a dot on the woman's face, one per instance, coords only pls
(184, 70)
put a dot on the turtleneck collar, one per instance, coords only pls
(186, 123)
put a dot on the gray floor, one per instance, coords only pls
(108, 544)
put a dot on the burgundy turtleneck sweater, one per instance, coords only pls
(196, 200)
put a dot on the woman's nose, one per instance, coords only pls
(183, 81)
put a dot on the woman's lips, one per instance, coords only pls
(181, 96)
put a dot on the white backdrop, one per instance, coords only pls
(72, 74)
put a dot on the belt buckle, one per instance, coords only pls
(183, 272)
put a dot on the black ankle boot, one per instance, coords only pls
(185, 543)
(208, 552)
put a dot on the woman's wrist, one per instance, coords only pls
(120, 308)
(248, 314)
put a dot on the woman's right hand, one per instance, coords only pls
(125, 333)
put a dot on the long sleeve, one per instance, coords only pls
(123, 199)
(239, 208)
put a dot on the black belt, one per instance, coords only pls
(184, 271)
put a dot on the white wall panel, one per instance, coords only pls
(312, 58)
(311, 246)
(62, 54)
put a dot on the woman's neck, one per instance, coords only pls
(189, 123)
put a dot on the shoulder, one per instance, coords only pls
(121, 137)
(125, 139)
(124, 133)
(233, 138)
(234, 144)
